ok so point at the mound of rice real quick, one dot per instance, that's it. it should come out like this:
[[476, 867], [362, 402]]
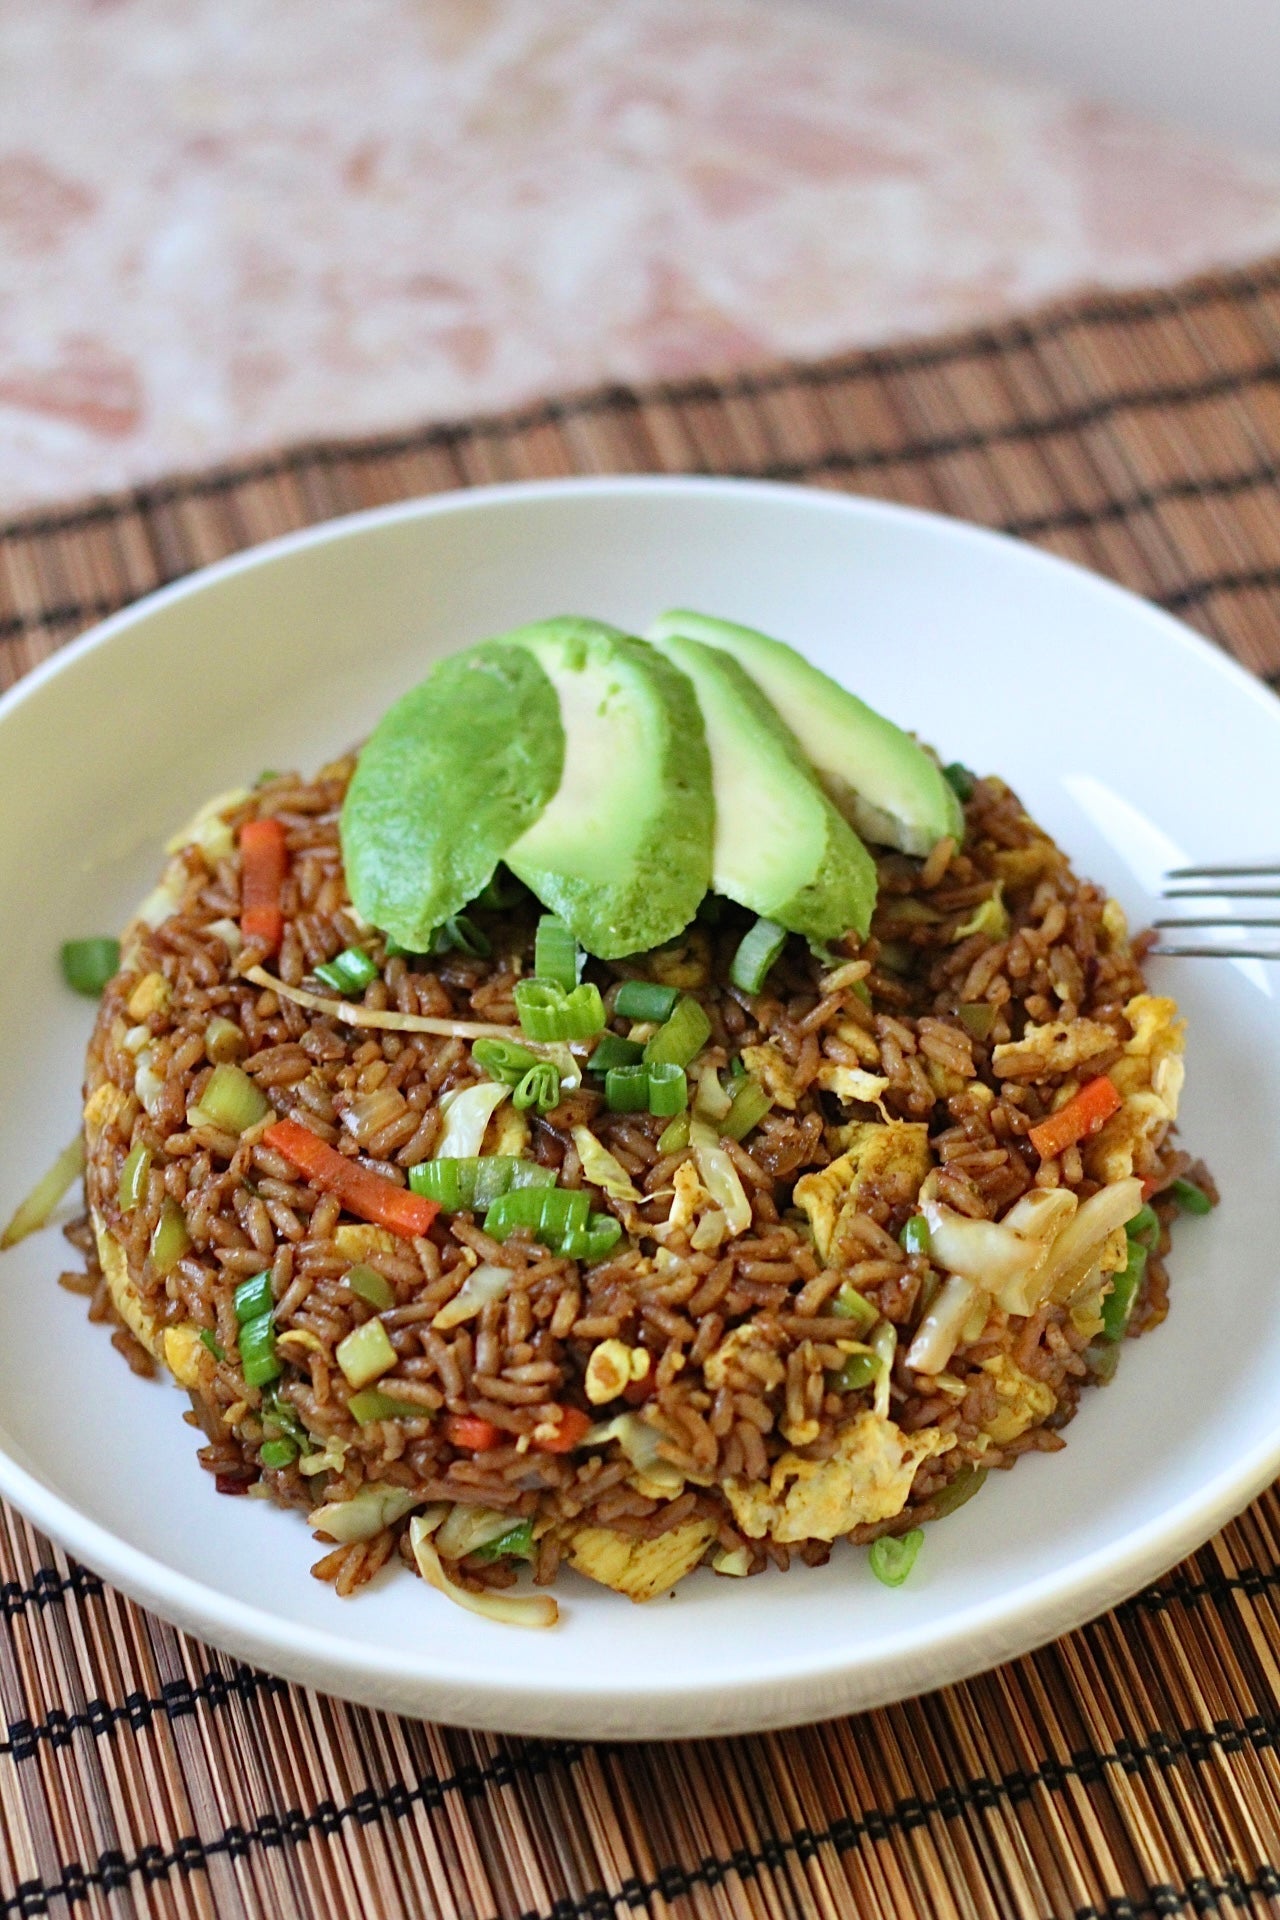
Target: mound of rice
[[709, 1392]]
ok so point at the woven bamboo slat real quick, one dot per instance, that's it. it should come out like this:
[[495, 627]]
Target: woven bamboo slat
[[1133, 1768]]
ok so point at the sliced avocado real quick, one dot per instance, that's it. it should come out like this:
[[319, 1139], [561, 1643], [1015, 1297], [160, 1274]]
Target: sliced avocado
[[878, 776], [623, 850], [780, 846], [455, 772]]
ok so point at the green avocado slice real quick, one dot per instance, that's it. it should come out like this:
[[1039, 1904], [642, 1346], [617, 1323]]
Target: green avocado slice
[[781, 848], [878, 776], [451, 775], [623, 850]]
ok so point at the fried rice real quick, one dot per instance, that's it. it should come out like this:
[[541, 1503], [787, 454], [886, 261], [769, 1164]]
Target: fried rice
[[688, 1398]]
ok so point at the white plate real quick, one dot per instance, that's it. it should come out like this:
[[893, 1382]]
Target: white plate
[[1132, 740]]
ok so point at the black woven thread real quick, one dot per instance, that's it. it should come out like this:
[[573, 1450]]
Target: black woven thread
[[47, 1587], [1164, 1750], [98, 1717]]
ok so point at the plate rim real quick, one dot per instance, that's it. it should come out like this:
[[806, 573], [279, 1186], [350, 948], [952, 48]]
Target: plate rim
[[906, 1661]]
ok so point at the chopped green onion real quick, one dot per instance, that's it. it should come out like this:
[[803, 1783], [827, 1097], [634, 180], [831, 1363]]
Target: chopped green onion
[[859, 1370], [626, 1089], [170, 1240], [852, 1305], [600, 1236], [515, 1544], [348, 973], [470, 1185], [258, 1361], [555, 953], [1117, 1307], [682, 1036], [254, 1297], [134, 1175], [645, 1000], [1145, 1228], [373, 1404], [977, 1017], [88, 965], [223, 1040], [668, 1089], [539, 1087], [371, 1286], [611, 1050], [365, 1354], [458, 934], [1190, 1197], [959, 1489], [231, 1101], [960, 780], [502, 891], [209, 1339], [560, 1217], [504, 1060], [277, 1453], [675, 1138], [756, 953], [892, 1560], [750, 1105], [547, 1012], [280, 1420], [914, 1237]]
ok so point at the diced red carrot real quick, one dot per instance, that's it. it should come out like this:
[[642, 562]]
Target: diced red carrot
[[370, 1195], [264, 861], [572, 1429], [470, 1431], [1082, 1115]]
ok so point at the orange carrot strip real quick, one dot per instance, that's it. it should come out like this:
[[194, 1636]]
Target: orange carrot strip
[[361, 1191], [470, 1431], [573, 1428], [264, 860], [1082, 1115]]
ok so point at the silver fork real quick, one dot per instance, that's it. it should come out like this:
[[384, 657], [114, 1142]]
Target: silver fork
[[1226, 922]]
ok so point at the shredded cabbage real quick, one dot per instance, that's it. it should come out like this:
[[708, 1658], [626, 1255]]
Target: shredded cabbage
[[208, 830], [34, 1212], [1008, 1257], [720, 1178], [467, 1112], [477, 1290], [376, 1505], [939, 1332], [601, 1168], [508, 1609], [642, 1445], [470, 1527]]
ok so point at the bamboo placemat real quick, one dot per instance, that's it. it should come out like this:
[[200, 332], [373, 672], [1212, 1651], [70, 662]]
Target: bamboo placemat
[[1131, 1769]]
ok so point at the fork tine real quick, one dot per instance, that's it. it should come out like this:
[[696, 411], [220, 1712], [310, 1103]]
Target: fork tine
[[1224, 893], [1214, 953], [1269, 869], [1216, 920]]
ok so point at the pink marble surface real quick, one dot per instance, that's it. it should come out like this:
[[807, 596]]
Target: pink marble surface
[[226, 224]]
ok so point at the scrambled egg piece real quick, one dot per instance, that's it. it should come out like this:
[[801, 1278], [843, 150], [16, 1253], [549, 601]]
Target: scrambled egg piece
[[1021, 866], [1057, 1047], [639, 1568], [186, 1356], [125, 1297], [774, 1074], [507, 1132], [695, 1209], [852, 1083], [868, 1477], [357, 1242], [744, 1358], [890, 1157], [1024, 1402], [1149, 1079]]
